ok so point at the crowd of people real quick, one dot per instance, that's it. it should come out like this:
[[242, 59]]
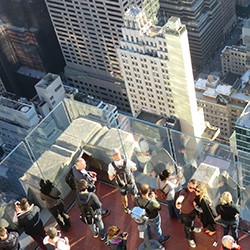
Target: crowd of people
[[185, 205]]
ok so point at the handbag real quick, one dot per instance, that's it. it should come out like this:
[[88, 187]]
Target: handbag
[[160, 194]]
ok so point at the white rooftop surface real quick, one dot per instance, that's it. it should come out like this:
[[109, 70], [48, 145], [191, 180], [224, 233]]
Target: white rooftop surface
[[210, 92], [201, 84], [240, 96], [224, 89]]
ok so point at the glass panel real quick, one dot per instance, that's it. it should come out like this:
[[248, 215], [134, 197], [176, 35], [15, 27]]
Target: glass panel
[[48, 130], [13, 173], [148, 147]]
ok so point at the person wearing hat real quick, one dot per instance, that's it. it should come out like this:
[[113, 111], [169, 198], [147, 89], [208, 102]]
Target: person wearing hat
[[8, 240], [53, 240], [120, 170]]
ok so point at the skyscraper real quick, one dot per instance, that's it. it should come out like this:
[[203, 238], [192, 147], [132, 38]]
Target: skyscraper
[[207, 21], [157, 69], [88, 32]]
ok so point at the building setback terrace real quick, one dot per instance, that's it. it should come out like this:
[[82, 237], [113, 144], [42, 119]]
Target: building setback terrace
[[75, 129]]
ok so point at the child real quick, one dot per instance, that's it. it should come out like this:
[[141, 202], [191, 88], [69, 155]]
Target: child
[[115, 239]]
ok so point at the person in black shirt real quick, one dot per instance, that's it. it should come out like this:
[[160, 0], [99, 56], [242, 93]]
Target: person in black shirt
[[229, 214], [80, 172], [8, 240], [86, 198], [28, 219]]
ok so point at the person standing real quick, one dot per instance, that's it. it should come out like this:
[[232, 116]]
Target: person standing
[[166, 184], [52, 197], [8, 240], [186, 203], [120, 170], [89, 200], [152, 207], [81, 173], [28, 219], [229, 214], [53, 240], [206, 215]]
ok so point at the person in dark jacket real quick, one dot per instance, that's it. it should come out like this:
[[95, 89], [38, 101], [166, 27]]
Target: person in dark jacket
[[52, 197], [206, 214], [80, 172], [84, 197], [28, 219], [229, 214], [8, 240]]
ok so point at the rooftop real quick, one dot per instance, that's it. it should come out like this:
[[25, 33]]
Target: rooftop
[[72, 130]]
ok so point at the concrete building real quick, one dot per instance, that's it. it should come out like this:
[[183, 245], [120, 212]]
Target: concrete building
[[157, 69], [234, 59], [50, 91], [17, 118], [88, 33], [223, 101], [207, 23]]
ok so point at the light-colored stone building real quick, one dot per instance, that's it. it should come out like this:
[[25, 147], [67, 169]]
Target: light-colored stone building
[[88, 32], [207, 23], [156, 64], [234, 59]]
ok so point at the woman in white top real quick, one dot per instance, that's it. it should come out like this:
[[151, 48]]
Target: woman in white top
[[167, 184], [53, 240]]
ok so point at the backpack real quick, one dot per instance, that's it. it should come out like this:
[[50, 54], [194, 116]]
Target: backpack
[[70, 179], [123, 175], [87, 215]]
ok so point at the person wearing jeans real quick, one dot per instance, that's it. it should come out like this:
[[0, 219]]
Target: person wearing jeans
[[84, 198], [229, 215], [185, 202], [148, 202]]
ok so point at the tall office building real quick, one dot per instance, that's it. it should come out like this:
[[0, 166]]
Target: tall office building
[[206, 21], [88, 32], [242, 129], [157, 69]]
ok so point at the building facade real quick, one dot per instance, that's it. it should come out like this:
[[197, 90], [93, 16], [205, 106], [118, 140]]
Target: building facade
[[234, 59], [88, 32], [242, 141], [157, 69], [222, 102], [17, 118], [207, 22]]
